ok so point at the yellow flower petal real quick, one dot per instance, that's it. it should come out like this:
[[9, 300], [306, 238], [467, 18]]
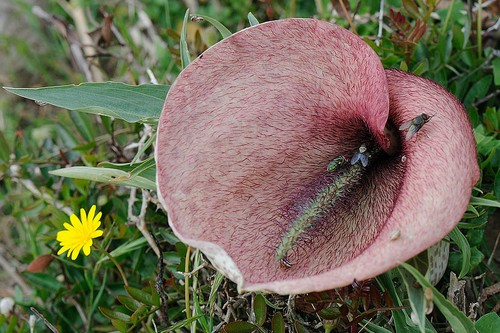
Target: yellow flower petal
[[90, 217], [79, 234]]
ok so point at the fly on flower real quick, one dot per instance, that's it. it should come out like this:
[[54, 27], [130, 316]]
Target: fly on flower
[[361, 156], [79, 234], [414, 125]]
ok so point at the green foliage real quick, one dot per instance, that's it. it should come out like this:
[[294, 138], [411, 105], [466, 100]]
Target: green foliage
[[137, 278], [141, 103]]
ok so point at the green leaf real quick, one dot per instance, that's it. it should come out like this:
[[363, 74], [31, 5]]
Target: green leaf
[[128, 247], [492, 118], [252, 20], [496, 185], [299, 328], [277, 323], [219, 278], [239, 327], [421, 67], [5, 151], [260, 309], [496, 71], [477, 91], [121, 326], [129, 302], [484, 202], [459, 239], [83, 125], [111, 314], [219, 26], [457, 319], [185, 58], [138, 314], [43, 281], [182, 323], [489, 323], [140, 295], [476, 257], [141, 103], [146, 168], [106, 175], [417, 299], [371, 327], [400, 316]]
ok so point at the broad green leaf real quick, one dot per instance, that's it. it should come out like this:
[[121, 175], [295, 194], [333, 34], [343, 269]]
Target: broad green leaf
[[219, 26], [277, 323], [299, 328], [106, 175], [239, 327], [478, 90], [121, 326], [489, 323], [457, 319], [129, 302], [252, 20], [259, 308], [141, 103], [140, 295], [459, 239], [138, 314], [111, 314]]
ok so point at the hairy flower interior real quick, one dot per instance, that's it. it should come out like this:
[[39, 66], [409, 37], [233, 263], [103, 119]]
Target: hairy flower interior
[[343, 211], [342, 176]]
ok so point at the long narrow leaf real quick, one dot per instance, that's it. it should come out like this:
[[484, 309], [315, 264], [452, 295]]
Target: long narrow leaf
[[106, 175], [457, 319], [459, 239], [185, 58], [141, 103], [252, 20], [219, 26]]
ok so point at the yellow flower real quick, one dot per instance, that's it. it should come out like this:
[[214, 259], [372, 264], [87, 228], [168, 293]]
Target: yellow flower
[[79, 233]]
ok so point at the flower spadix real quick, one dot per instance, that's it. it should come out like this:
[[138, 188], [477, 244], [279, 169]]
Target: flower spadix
[[79, 234], [279, 156]]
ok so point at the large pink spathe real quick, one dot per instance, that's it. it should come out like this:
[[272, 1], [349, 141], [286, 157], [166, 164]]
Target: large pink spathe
[[249, 127]]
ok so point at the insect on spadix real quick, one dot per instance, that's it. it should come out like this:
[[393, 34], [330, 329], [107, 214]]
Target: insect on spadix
[[361, 156], [414, 125]]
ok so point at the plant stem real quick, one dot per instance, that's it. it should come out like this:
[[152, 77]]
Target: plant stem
[[186, 283], [478, 33], [113, 260]]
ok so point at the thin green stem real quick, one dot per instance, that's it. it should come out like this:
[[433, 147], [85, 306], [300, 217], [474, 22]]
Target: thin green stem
[[479, 29], [186, 283], [447, 19], [113, 260]]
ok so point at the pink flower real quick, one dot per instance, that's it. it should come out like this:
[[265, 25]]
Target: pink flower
[[249, 129]]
